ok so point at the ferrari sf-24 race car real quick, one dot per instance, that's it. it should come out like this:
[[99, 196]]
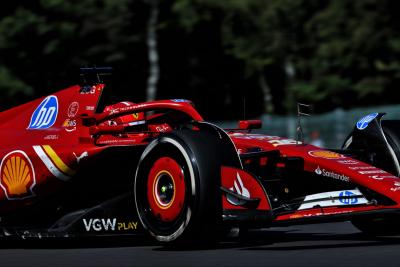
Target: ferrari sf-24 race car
[[73, 165]]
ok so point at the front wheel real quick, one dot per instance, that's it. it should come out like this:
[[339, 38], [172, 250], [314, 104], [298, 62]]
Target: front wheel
[[177, 188]]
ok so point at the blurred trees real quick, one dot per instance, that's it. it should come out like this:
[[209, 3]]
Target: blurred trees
[[217, 53], [329, 53], [354, 55], [44, 42]]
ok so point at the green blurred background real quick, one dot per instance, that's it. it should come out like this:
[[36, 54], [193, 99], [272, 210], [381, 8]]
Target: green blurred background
[[269, 54]]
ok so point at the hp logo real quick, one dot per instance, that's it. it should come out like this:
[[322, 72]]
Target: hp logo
[[363, 123], [45, 114], [348, 198]]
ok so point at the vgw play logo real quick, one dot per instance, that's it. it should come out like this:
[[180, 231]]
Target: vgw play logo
[[45, 115]]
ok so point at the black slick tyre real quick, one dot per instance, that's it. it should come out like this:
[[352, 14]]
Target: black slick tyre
[[176, 188]]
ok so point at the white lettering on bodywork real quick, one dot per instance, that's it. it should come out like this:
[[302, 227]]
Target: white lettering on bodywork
[[100, 224]]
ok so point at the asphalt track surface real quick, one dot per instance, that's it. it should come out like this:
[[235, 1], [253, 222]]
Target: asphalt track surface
[[333, 244]]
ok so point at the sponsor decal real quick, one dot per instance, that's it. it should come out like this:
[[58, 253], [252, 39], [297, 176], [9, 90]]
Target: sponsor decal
[[89, 108], [117, 141], [70, 130], [128, 108], [348, 198], [108, 224], [112, 111], [69, 125], [396, 187], [100, 224], [312, 214], [377, 171], [337, 212], [53, 162], [163, 128], [280, 142], [82, 156], [381, 177], [51, 137], [333, 198], [240, 189], [112, 122], [17, 176], [363, 122], [135, 107], [45, 115], [179, 100], [318, 171], [126, 226], [85, 90], [331, 174], [362, 168], [136, 123], [255, 136], [319, 214], [274, 140], [73, 109], [348, 162], [326, 154]]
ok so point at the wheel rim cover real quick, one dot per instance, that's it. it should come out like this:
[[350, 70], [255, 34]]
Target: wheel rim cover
[[166, 189]]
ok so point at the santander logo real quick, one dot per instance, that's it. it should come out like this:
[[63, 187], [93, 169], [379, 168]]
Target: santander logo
[[332, 174], [318, 171], [240, 189]]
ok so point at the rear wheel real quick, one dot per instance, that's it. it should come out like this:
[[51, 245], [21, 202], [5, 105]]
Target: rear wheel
[[177, 188]]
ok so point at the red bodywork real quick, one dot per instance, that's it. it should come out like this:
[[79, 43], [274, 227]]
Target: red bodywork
[[39, 156], [53, 154], [347, 169]]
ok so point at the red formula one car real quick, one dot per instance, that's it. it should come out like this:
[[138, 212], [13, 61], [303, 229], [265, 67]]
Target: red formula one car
[[73, 165]]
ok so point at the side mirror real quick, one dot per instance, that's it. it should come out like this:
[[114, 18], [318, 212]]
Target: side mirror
[[250, 124]]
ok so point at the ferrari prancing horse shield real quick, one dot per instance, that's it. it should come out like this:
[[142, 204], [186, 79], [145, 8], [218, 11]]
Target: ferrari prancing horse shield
[[17, 176]]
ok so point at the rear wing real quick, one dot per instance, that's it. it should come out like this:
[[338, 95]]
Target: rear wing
[[95, 75]]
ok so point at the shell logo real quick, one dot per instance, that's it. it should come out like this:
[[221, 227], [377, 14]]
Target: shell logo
[[17, 176], [325, 154]]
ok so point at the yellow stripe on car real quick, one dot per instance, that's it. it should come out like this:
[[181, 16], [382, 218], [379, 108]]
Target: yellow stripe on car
[[58, 161]]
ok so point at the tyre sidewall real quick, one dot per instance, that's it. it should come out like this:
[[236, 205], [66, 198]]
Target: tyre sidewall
[[202, 212]]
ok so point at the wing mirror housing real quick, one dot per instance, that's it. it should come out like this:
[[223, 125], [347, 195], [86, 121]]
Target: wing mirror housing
[[250, 124]]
